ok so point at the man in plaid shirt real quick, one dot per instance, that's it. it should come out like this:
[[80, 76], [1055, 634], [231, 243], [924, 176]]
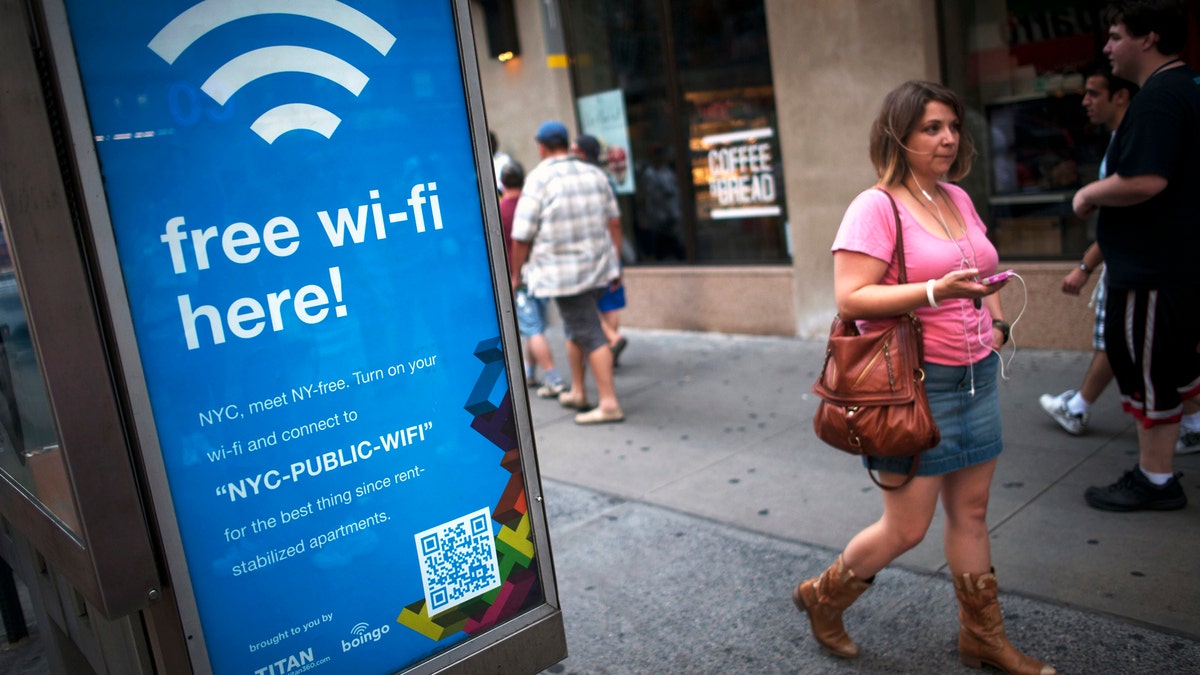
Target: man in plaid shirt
[[566, 238]]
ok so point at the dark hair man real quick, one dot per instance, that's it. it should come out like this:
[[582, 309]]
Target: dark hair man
[[1106, 97]]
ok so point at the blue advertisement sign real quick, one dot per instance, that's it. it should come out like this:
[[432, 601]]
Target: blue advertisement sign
[[293, 193]]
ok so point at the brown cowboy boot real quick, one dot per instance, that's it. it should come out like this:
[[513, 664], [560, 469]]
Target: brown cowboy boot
[[824, 598], [981, 639]]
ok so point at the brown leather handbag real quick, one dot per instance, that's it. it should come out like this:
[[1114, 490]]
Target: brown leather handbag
[[872, 387]]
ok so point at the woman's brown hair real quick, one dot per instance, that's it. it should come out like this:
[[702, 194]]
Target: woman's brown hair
[[903, 108]]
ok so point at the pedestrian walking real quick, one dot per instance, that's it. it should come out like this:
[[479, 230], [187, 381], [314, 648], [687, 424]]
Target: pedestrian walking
[[612, 302], [566, 246], [1149, 232], [916, 142], [531, 311], [1106, 97]]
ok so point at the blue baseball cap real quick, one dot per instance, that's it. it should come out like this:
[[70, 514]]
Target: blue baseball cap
[[552, 132]]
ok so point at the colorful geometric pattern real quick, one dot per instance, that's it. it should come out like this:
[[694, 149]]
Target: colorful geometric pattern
[[508, 602], [491, 404], [491, 386], [416, 617]]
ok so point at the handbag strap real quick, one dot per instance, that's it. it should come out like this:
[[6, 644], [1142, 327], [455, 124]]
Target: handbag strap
[[902, 275], [902, 278], [903, 271], [912, 473]]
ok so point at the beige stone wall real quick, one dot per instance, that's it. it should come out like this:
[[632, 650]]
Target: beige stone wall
[[751, 300], [1051, 319], [833, 61], [521, 94]]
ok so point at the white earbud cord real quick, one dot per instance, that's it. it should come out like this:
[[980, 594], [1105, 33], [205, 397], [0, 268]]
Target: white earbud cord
[[971, 262], [1004, 366], [1012, 335]]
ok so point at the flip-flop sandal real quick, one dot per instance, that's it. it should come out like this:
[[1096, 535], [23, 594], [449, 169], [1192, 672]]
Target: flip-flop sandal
[[567, 401], [617, 349], [599, 416]]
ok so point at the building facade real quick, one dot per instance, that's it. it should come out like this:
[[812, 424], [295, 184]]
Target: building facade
[[736, 134]]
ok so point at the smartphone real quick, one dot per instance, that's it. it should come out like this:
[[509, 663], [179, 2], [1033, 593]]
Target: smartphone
[[996, 278]]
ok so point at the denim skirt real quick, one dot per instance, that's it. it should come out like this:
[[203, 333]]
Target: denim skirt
[[970, 425]]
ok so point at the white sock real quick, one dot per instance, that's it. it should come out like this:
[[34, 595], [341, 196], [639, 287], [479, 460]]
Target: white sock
[[1078, 406], [1159, 479], [1191, 422]]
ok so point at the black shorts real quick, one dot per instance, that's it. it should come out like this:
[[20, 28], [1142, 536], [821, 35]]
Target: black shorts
[[1151, 337]]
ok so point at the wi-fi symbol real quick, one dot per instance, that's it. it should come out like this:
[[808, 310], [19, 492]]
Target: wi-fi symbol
[[360, 628], [206, 16]]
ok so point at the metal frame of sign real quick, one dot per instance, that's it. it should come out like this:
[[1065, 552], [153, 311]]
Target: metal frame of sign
[[531, 640], [108, 554]]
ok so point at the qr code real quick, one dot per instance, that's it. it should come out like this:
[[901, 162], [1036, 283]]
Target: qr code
[[458, 560]]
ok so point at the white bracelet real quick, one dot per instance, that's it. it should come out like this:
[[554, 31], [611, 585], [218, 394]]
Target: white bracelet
[[929, 293]]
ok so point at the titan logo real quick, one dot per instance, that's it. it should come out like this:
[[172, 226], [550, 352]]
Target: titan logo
[[286, 665]]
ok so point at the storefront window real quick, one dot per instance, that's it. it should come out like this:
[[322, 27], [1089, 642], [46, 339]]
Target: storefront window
[[679, 93], [1020, 67]]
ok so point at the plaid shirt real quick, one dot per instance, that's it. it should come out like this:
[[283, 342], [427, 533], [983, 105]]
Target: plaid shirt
[[564, 211]]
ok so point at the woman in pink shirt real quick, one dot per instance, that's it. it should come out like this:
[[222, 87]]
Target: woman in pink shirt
[[916, 143]]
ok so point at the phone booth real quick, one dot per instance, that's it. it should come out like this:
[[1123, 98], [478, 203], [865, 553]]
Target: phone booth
[[256, 339]]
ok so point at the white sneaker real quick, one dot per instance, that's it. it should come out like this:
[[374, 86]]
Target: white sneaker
[[1188, 443], [1056, 408]]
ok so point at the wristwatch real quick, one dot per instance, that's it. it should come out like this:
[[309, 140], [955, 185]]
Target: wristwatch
[[1083, 266], [1004, 328]]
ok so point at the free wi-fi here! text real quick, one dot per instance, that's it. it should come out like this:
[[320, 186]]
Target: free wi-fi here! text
[[242, 244]]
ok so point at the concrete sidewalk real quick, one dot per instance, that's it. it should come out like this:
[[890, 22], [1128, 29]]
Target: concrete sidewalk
[[678, 534]]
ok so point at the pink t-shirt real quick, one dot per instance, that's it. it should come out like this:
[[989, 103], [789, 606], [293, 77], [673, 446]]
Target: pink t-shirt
[[955, 333]]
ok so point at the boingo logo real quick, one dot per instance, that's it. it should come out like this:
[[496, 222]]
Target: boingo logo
[[364, 634]]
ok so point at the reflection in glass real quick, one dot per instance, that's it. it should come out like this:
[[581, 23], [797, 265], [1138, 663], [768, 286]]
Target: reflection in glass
[[694, 77], [30, 455], [659, 234], [1020, 69]]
